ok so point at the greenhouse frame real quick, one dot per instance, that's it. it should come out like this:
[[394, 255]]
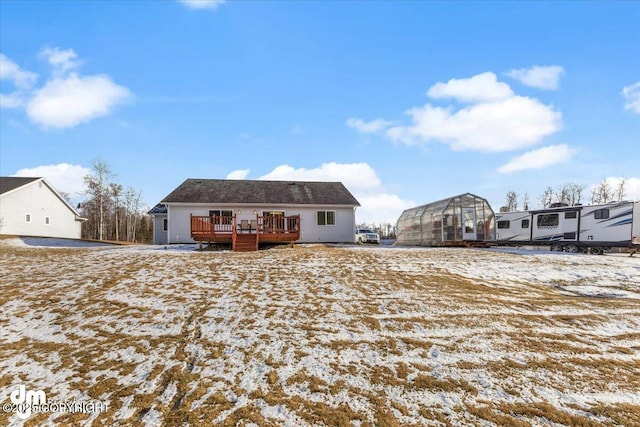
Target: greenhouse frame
[[452, 221]]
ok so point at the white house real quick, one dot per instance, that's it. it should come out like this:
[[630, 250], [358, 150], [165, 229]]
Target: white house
[[315, 211], [33, 207]]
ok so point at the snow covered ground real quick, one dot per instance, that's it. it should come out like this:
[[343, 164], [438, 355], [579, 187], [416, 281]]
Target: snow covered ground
[[313, 335]]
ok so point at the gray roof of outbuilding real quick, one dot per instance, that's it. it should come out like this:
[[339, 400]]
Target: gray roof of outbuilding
[[224, 191], [8, 183], [158, 209]]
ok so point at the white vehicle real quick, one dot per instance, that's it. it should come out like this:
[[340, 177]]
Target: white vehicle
[[573, 228], [364, 235]]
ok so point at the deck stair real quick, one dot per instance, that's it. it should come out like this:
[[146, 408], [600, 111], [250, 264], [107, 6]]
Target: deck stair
[[246, 242]]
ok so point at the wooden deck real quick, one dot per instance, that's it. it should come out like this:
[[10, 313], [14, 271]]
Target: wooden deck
[[244, 234]]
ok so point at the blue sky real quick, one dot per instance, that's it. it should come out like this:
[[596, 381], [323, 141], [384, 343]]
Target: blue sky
[[405, 102]]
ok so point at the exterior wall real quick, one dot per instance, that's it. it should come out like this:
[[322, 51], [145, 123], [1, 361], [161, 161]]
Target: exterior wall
[[180, 226], [513, 230], [636, 222], [616, 230], [159, 234], [37, 199]]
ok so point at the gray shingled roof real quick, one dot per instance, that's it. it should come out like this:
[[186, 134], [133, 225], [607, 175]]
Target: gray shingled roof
[[261, 192], [158, 209], [8, 183]]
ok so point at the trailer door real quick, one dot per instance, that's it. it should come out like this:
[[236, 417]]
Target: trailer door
[[546, 227], [569, 224], [469, 231]]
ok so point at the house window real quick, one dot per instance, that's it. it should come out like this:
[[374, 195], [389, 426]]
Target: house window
[[571, 215], [47, 220], [504, 224], [218, 212], [222, 216], [165, 224], [601, 214], [27, 217], [273, 220], [326, 217], [525, 223], [548, 220]]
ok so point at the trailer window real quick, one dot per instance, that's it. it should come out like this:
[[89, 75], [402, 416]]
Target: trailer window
[[571, 215], [504, 224], [548, 220], [525, 223], [601, 214]]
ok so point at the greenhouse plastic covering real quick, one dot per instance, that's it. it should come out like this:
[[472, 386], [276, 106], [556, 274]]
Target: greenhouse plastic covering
[[466, 217]]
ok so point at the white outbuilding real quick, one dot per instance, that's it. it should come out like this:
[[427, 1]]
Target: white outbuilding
[[33, 207]]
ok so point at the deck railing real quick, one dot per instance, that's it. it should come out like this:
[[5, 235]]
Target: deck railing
[[279, 224], [272, 228], [212, 225]]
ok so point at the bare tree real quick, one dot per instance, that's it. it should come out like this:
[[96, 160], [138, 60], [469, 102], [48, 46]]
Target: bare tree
[[115, 191], [547, 197], [129, 200], [575, 193], [525, 201], [602, 193], [65, 196], [97, 188], [620, 190], [512, 201]]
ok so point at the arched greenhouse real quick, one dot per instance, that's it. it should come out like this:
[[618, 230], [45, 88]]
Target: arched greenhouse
[[451, 221]]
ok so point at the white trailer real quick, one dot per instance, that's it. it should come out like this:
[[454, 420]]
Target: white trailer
[[593, 228]]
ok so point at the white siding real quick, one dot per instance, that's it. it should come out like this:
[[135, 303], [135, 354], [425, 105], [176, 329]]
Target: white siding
[[636, 220], [159, 233], [37, 199], [180, 226]]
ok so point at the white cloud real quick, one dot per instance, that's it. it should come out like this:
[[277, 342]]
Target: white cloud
[[380, 207], [496, 121], [361, 180], [538, 159], [23, 80], [353, 175], [541, 77], [11, 71], [67, 102], [12, 100], [632, 95], [202, 4], [483, 87], [505, 125], [367, 127], [64, 177], [239, 174], [61, 60]]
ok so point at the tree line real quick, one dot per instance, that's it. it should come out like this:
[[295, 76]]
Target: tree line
[[570, 194], [112, 211]]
